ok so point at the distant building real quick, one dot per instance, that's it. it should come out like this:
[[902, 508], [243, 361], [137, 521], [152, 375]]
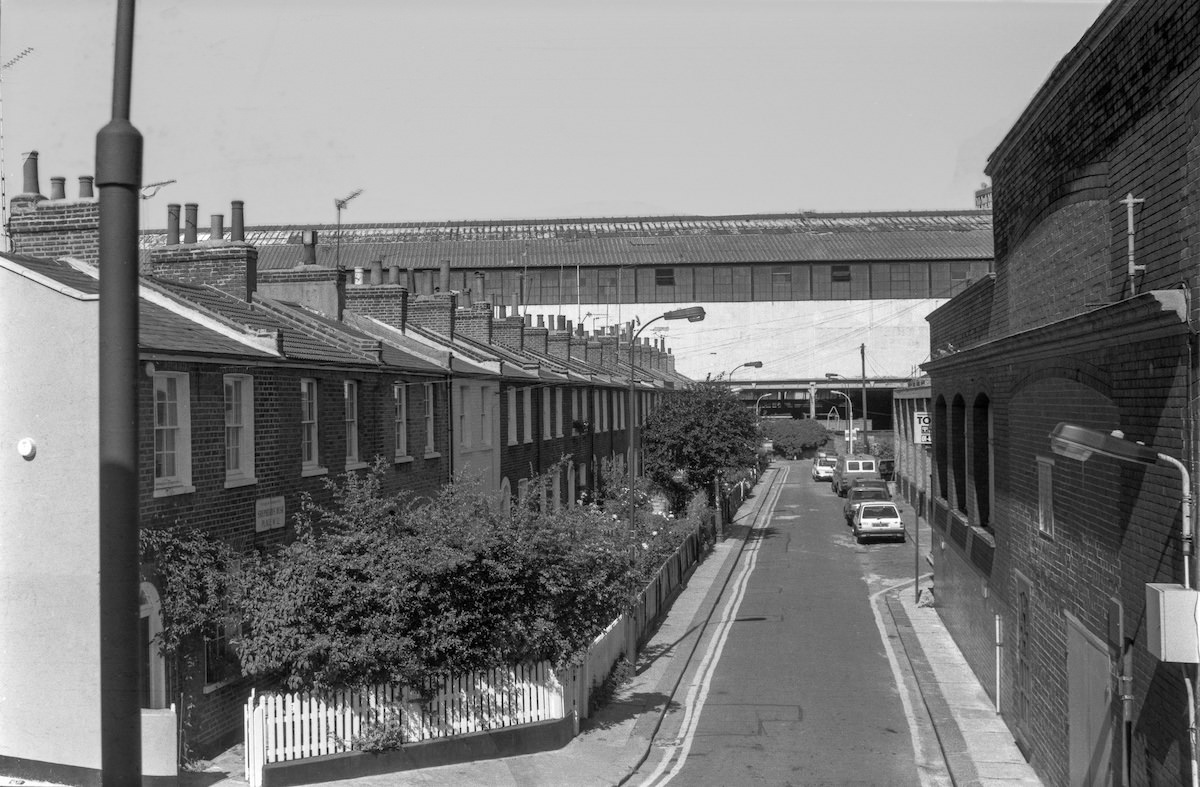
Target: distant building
[[1065, 578], [799, 292]]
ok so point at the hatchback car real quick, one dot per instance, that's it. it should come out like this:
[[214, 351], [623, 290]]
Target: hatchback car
[[878, 520], [822, 469], [864, 492]]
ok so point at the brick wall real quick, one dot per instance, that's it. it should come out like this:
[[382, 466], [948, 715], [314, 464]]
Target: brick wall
[[39, 227], [387, 303], [231, 267]]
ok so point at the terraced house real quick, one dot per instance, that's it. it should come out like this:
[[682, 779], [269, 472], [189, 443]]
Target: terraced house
[[256, 390]]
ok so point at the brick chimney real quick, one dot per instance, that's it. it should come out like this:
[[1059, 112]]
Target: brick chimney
[[578, 344], [558, 340], [537, 338], [54, 228], [434, 312], [592, 350], [508, 331], [229, 265], [386, 302], [321, 289], [475, 321], [608, 348]]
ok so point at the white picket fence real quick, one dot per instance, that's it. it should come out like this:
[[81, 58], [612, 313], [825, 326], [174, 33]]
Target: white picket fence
[[282, 727]]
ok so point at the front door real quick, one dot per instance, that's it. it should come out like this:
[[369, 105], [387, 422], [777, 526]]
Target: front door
[[1089, 703]]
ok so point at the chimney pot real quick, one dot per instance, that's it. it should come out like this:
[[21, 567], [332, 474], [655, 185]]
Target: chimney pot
[[376, 272], [85, 187], [237, 228], [217, 230], [58, 187], [309, 240], [541, 323], [190, 210], [444, 282], [173, 224], [30, 170], [393, 274]]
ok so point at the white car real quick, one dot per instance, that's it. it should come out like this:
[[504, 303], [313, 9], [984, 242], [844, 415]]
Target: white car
[[878, 520], [822, 469]]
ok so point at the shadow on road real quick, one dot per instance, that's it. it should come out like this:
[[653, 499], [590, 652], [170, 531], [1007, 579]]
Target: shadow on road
[[623, 708]]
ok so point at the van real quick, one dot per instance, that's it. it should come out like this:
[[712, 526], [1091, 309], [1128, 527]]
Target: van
[[850, 467]]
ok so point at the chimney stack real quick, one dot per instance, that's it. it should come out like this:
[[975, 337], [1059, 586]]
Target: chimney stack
[[190, 209], [309, 254], [237, 221], [173, 224], [30, 170]]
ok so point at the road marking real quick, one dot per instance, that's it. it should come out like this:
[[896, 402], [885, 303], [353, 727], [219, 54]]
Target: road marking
[[675, 753], [927, 779]]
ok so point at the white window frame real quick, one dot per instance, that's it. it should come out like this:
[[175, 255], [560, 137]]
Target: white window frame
[[599, 425], [547, 430], [242, 429], [464, 426], [558, 411], [1045, 499], [400, 421], [430, 445], [173, 422], [310, 431], [512, 416], [485, 416], [350, 418], [527, 409]]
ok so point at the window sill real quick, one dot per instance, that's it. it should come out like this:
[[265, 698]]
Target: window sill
[[233, 482], [357, 465], [432, 455], [171, 491], [312, 470], [403, 459]]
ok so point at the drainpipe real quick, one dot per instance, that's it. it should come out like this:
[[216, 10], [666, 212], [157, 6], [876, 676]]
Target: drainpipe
[[119, 177]]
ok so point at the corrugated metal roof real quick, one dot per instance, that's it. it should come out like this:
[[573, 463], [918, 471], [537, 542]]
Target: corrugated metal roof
[[679, 240]]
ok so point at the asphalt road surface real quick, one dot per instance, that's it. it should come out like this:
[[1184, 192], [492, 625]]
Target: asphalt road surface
[[795, 685]]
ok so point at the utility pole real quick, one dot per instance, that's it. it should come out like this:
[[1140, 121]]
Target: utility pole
[[862, 350]]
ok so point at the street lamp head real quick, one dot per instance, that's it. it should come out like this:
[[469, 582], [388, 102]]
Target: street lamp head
[[832, 376], [691, 314], [1079, 442], [753, 364]]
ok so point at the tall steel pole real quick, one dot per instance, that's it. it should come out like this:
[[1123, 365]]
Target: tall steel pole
[[862, 349], [119, 177]]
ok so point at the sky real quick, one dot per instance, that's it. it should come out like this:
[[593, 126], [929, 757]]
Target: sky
[[449, 110]]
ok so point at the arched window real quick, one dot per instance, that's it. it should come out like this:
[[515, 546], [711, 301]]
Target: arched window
[[981, 458], [940, 454], [958, 451]]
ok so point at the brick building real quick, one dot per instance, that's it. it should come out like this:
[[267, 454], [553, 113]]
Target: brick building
[[1043, 561], [258, 388]]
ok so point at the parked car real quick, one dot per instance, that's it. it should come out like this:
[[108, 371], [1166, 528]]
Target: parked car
[[850, 467], [822, 468], [861, 491], [878, 520]]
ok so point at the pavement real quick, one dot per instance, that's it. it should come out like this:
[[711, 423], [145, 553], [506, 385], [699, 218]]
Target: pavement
[[965, 742]]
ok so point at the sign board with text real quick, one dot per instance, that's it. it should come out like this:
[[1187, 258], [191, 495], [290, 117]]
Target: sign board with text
[[269, 513], [922, 429]]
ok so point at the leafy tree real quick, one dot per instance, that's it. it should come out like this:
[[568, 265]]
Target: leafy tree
[[695, 434], [376, 588], [793, 437]]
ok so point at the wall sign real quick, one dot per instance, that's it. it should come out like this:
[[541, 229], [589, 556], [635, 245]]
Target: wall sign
[[269, 513], [922, 429]]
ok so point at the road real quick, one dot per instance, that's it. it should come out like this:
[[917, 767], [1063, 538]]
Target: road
[[796, 685]]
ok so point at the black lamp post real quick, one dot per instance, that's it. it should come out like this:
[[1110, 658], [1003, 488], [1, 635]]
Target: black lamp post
[[691, 314], [751, 364]]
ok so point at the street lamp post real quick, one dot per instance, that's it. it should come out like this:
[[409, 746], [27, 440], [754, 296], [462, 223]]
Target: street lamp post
[[751, 364], [756, 401], [849, 420], [691, 314]]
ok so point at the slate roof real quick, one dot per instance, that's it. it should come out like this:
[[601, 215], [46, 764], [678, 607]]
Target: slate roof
[[669, 240], [58, 271]]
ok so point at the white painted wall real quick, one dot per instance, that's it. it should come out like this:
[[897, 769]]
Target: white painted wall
[[49, 519]]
